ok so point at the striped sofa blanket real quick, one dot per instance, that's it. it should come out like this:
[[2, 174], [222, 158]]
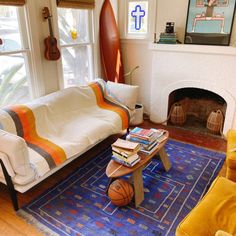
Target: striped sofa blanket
[[39, 136]]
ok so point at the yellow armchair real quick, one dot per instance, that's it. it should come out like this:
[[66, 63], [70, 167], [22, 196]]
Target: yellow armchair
[[216, 212], [231, 155]]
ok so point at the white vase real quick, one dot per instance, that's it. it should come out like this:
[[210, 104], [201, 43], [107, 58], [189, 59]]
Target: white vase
[[138, 116]]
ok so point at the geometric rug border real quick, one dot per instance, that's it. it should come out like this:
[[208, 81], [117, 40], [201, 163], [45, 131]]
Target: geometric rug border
[[47, 231]]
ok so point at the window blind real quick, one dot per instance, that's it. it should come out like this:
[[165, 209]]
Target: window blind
[[12, 2], [85, 4]]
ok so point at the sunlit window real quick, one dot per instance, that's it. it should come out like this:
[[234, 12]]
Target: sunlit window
[[75, 31], [14, 51]]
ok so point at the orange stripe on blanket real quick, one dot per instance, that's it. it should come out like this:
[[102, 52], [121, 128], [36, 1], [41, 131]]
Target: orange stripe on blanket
[[30, 135], [108, 105]]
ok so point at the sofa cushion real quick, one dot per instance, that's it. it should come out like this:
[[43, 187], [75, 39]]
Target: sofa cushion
[[125, 94], [216, 211]]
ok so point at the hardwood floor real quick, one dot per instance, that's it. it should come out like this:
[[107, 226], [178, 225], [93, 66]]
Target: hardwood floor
[[12, 225]]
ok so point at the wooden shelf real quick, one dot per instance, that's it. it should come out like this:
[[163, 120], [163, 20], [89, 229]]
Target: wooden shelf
[[190, 48]]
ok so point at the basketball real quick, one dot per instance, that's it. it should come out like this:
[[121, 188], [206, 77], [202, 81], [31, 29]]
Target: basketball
[[120, 192]]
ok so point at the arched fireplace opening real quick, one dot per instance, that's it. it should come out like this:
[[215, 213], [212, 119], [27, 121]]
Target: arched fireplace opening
[[197, 109]]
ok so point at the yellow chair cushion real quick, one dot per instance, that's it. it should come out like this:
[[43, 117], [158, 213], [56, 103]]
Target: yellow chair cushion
[[216, 211], [231, 149]]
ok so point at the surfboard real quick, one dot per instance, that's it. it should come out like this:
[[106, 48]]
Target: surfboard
[[110, 50]]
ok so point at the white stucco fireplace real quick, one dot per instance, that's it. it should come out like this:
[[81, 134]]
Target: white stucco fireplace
[[211, 68]]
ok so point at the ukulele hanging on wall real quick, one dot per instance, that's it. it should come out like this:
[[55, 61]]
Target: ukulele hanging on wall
[[51, 50]]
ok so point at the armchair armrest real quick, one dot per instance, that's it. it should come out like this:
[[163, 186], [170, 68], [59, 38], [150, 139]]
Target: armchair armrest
[[231, 155]]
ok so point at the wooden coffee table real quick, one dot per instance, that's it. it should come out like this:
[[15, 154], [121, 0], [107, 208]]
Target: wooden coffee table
[[115, 170]]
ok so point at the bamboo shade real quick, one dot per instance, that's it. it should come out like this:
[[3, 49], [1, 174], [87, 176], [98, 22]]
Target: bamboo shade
[[12, 2], [85, 4]]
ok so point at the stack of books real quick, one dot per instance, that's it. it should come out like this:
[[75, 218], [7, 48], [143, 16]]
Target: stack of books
[[147, 138], [168, 38], [125, 152]]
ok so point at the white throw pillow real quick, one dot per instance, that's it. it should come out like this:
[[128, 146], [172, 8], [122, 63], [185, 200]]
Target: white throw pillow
[[124, 93]]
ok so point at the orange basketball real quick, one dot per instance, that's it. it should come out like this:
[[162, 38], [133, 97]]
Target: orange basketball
[[120, 192]]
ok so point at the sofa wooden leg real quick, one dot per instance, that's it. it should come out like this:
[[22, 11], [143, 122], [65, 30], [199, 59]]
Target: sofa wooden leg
[[10, 187]]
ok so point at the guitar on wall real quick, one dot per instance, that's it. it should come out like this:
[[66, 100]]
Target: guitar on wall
[[51, 50]]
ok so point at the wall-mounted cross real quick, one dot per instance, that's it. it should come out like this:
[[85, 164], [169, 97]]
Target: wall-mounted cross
[[138, 13]]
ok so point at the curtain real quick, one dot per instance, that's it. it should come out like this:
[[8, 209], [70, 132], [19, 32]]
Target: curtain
[[12, 2], [85, 4]]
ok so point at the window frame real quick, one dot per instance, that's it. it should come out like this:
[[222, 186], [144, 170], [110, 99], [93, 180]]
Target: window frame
[[90, 46], [123, 20], [26, 50]]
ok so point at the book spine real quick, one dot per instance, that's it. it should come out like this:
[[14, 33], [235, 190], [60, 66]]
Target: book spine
[[141, 132], [124, 162], [138, 140], [167, 42], [123, 154], [119, 156], [140, 137], [120, 161]]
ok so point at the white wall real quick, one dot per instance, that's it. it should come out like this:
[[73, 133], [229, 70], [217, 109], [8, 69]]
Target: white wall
[[136, 52]]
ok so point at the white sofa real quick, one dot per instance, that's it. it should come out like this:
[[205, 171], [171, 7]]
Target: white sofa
[[41, 137]]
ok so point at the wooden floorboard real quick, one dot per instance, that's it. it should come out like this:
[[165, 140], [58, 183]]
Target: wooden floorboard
[[13, 225]]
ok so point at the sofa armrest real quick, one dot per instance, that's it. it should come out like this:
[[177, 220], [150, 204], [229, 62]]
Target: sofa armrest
[[16, 151], [7, 164]]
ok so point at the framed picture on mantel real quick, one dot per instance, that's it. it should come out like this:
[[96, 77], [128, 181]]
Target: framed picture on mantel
[[209, 22]]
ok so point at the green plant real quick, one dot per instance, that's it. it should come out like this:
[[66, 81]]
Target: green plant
[[12, 85]]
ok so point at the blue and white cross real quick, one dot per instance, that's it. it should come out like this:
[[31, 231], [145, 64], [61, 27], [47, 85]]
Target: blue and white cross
[[138, 13]]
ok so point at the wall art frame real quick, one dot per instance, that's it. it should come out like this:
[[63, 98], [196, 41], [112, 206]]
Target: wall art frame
[[209, 22]]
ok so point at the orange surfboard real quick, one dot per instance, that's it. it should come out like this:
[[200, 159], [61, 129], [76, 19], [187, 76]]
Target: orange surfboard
[[110, 45]]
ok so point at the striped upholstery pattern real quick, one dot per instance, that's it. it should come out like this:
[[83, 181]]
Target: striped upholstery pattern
[[104, 103], [24, 120], [60, 126]]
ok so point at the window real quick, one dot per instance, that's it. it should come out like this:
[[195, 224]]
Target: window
[[138, 17], [14, 53], [76, 41]]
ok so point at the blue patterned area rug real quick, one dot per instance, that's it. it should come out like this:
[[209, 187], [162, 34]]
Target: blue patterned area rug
[[79, 206]]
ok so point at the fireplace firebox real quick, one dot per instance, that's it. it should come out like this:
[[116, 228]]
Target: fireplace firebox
[[196, 107]]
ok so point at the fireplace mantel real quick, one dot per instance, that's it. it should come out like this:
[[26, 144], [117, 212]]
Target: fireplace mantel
[[205, 67], [191, 48]]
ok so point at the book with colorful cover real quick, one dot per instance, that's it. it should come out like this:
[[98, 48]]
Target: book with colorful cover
[[122, 162], [154, 147], [128, 160], [137, 140], [160, 134], [124, 152], [125, 144], [149, 152], [145, 140], [140, 132]]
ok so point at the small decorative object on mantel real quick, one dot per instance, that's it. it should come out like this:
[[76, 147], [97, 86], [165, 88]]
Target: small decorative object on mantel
[[169, 36], [209, 22]]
